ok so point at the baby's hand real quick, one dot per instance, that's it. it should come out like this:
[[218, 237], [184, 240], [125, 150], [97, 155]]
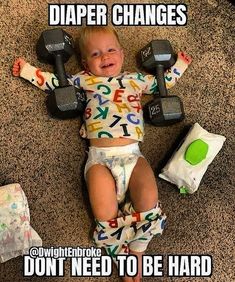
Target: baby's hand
[[187, 59], [17, 66]]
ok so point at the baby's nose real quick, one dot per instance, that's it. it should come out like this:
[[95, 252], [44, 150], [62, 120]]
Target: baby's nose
[[105, 55]]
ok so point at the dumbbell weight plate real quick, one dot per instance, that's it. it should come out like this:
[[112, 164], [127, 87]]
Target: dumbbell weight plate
[[164, 111]]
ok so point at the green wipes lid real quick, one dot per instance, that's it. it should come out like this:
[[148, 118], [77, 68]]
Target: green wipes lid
[[183, 190], [196, 152]]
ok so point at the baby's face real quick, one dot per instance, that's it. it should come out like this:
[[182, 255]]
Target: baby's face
[[104, 56]]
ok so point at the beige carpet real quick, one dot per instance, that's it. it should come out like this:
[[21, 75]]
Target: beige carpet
[[46, 156]]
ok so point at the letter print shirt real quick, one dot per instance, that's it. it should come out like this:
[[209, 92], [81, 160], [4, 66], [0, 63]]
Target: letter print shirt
[[113, 108]]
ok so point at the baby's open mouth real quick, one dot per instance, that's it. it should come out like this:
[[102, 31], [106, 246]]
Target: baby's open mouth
[[107, 65]]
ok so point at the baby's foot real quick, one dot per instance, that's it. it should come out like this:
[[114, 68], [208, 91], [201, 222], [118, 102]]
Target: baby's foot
[[139, 255]]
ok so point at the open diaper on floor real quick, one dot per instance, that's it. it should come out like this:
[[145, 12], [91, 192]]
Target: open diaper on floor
[[16, 234], [190, 161]]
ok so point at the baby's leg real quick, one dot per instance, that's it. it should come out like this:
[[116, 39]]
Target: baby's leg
[[143, 187], [102, 192], [144, 197]]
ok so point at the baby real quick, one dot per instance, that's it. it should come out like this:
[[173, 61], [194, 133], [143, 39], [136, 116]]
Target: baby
[[121, 184]]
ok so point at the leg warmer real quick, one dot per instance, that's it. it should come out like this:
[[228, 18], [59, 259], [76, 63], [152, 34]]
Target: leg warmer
[[133, 230]]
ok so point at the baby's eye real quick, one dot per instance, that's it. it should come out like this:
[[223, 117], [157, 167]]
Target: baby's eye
[[111, 50], [95, 54]]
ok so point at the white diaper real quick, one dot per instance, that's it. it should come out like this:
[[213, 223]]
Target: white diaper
[[16, 234], [119, 160], [189, 162]]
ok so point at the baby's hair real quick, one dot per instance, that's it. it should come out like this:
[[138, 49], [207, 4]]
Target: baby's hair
[[87, 31]]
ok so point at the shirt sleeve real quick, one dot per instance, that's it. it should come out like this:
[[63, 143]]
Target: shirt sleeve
[[44, 80], [171, 75]]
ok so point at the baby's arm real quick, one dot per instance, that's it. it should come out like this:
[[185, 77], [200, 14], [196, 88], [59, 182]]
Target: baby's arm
[[171, 75], [177, 70], [44, 80]]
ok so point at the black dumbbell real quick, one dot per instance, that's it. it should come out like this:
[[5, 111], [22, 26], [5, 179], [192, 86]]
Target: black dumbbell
[[55, 46], [157, 57]]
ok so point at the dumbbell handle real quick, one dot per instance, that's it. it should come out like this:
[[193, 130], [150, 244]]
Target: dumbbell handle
[[60, 70], [161, 80]]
